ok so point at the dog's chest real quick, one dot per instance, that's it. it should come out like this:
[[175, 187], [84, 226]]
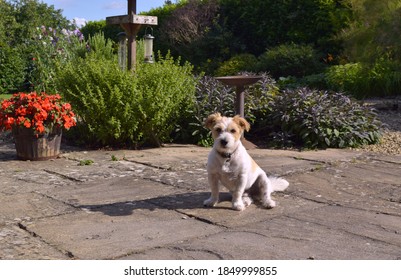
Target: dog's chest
[[229, 173]]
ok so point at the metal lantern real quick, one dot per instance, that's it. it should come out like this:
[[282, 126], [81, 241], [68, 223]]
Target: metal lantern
[[122, 50], [148, 42]]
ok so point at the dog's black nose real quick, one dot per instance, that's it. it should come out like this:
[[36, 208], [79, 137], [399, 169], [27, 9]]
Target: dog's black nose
[[223, 142]]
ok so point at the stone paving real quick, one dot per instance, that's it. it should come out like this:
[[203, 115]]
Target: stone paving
[[147, 204]]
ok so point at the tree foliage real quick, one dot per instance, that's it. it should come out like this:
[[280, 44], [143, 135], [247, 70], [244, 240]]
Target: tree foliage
[[375, 31], [209, 32], [19, 24], [26, 15]]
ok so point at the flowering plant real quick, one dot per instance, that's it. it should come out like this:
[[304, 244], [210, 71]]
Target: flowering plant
[[40, 112]]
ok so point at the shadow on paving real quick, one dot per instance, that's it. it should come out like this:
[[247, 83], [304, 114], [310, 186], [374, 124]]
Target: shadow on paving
[[180, 201]]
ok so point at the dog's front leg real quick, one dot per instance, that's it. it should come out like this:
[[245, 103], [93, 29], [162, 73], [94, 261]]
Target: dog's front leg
[[214, 186], [237, 201]]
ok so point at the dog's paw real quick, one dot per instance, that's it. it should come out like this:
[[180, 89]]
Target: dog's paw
[[269, 204], [210, 202], [239, 206], [247, 200]]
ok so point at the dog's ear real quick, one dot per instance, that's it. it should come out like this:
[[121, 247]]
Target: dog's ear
[[212, 119], [242, 123]]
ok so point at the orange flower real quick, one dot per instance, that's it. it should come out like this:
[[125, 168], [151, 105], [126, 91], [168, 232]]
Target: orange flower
[[37, 111], [27, 124]]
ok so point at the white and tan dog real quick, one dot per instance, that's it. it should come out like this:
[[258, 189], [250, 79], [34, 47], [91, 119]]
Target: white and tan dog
[[230, 164]]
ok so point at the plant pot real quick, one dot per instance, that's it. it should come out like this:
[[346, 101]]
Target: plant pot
[[32, 147]]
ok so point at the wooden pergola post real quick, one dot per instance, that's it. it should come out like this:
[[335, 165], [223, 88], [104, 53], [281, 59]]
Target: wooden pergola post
[[131, 23]]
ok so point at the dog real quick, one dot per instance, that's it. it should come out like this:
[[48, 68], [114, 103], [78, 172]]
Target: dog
[[230, 164]]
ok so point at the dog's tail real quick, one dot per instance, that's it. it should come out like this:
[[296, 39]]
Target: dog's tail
[[278, 184]]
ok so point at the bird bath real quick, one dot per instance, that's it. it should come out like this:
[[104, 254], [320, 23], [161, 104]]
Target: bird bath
[[239, 82]]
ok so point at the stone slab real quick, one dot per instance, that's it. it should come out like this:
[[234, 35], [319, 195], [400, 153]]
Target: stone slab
[[351, 185], [369, 224], [28, 206], [282, 238], [148, 204], [109, 234], [17, 244], [191, 204], [188, 179], [109, 191]]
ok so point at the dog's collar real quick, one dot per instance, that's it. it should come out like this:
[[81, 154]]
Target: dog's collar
[[225, 155]]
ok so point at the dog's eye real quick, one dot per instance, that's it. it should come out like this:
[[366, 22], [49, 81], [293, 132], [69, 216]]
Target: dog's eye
[[218, 130], [233, 131]]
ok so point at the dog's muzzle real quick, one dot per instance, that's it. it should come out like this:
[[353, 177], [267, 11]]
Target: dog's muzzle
[[223, 143]]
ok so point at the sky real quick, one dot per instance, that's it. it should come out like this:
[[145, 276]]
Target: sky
[[93, 10]]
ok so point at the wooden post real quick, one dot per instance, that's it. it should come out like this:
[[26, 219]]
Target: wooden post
[[131, 36], [131, 23]]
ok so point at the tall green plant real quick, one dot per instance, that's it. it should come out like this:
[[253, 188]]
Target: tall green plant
[[105, 100], [167, 90], [125, 108], [48, 49], [12, 68], [382, 78]]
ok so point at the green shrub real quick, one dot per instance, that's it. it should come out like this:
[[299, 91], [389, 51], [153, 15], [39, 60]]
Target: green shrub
[[167, 94], [383, 78], [48, 49], [351, 78], [290, 60], [12, 69], [236, 64], [122, 108], [318, 119], [105, 100]]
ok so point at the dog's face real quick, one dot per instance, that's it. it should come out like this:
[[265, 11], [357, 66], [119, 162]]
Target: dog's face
[[226, 132]]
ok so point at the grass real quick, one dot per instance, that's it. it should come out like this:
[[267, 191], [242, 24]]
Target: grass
[[5, 96]]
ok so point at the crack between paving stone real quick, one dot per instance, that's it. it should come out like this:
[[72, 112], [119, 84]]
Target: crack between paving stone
[[270, 236], [342, 230], [149, 165], [386, 161], [327, 202], [58, 200], [63, 176], [332, 203], [176, 248], [173, 246], [203, 220], [164, 183], [68, 254]]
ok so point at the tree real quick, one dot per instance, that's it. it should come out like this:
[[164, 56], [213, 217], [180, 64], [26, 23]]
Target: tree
[[19, 24], [261, 24], [187, 28], [94, 27], [375, 31], [31, 14]]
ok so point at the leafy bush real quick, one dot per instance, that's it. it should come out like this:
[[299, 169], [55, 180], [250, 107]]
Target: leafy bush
[[318, 119], [383, 78], [48, 49], [121, 108], [167, 94], [238, 63], [12, 69], [105, 100], [290, 60], [349, 77]]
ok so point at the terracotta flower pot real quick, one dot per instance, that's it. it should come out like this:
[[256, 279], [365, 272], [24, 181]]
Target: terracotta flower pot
[[32, 147]]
